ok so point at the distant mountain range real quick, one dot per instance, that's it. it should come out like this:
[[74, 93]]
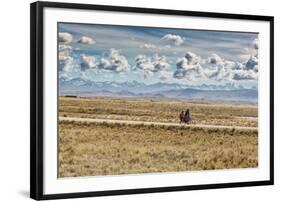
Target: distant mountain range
[[87, 88]]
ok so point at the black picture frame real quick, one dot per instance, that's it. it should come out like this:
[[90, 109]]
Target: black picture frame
[[36, 98]]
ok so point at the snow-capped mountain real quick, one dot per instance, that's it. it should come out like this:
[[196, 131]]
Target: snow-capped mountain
[[79, 82], [83, 87]]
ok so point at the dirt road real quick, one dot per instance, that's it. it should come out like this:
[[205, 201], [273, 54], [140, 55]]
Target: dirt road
[[90, 120]]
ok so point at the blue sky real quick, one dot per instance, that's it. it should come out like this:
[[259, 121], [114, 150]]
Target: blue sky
[[150, 55]]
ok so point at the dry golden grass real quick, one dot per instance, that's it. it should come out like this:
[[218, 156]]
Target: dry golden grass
[[159, 111], [90, 149]]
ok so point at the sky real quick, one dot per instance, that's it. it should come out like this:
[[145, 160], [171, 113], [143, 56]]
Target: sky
[[150, 55]]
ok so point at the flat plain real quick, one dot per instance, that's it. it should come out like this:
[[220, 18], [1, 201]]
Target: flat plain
[[112, 148]]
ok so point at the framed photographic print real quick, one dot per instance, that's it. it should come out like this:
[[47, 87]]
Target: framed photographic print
[[136, 100]]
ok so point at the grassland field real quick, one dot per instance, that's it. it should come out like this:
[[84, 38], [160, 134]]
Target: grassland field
[[159, 111], [90, 149]]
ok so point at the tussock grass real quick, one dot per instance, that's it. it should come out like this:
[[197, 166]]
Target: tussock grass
[[159, 111], [89, 149]]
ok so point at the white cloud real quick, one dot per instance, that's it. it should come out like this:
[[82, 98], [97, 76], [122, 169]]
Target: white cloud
[[220, 73], [65, 37], [67, 64], [244, 75], [114, 61], [229, 70], [192, 58], [176, 39], [251, 51], [220, 69], [164, 49], [143, 63], [64, 47], [215, 68], [214, 59], [148, 46], [252, 63], [86, 40], [87, 62], [165, 75], [189, 67], [186, 71], [151, 64], [65, 59], [64, 52]]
